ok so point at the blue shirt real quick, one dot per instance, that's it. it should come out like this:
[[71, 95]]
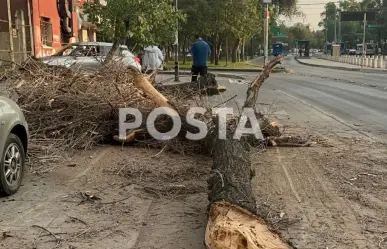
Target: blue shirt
[[200, 51]]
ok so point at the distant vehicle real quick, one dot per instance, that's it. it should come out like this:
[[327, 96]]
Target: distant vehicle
[[90, 56], [352, 52], [13, 146], [370, 49], [342, 48], [328, 49], [280, 48]]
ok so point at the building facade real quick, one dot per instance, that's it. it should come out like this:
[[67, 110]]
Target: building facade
[[42, 27]]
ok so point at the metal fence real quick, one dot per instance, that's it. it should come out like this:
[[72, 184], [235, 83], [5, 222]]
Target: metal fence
[[16, 35]]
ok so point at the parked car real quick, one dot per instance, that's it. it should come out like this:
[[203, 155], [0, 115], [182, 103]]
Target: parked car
[[89, 56], [13, 146], [352, 52]]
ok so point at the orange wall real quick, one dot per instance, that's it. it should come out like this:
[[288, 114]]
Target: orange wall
[[48, 8]]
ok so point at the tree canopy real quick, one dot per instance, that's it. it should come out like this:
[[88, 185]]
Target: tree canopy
[[219, 21], [352, 31]]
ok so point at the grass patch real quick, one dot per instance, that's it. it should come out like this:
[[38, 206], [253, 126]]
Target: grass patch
[[222, 65]]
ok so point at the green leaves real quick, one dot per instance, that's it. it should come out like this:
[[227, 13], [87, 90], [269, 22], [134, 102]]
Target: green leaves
[[143, 21]]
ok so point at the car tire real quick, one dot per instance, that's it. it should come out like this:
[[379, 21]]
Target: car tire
[[15, 167]]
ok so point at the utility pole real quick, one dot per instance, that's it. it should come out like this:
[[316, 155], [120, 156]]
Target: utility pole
[[326, 27], [176, 45], [364, 34], [30, 28], [266, 31], [11, 51], [335, 37], [340, 39]]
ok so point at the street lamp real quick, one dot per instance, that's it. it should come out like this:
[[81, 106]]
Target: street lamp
[[176, 45], [266, 30]]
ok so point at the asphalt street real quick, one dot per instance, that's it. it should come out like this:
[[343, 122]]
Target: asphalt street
[[356, 99]]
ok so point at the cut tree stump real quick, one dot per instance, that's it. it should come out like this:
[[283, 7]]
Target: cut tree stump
[[232, 227], [232, 221]]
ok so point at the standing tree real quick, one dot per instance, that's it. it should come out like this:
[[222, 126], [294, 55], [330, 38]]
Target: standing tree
[[145, 22]]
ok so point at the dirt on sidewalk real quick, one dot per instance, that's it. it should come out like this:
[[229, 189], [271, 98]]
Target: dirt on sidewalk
[[111, 198]]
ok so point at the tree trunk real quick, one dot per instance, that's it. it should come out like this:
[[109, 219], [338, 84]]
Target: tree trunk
[[217, 54], [232, 221], [235, 51], [213, 54], [110, 55], [184, 51], [227, 51], [167, 54], [243, 50], [232, 175], [239, 53]]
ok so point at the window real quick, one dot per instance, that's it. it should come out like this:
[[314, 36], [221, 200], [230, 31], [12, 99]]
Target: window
[[46, 31]]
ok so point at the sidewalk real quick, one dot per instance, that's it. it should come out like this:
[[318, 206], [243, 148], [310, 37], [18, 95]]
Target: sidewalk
[[315, 62]]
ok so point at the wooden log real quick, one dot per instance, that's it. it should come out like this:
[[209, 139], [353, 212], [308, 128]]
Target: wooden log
[[231, 176], [232, 221], [232, 227], [252, 91]]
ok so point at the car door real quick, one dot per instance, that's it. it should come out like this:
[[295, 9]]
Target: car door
[[89, 59]]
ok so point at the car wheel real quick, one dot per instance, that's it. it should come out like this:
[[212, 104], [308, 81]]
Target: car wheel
[[12, 165]]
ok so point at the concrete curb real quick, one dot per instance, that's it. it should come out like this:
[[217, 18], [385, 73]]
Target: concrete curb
[[225, 75], [364, 70]]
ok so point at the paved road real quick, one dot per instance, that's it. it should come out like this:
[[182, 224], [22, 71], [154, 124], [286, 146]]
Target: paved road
[[356, 99]]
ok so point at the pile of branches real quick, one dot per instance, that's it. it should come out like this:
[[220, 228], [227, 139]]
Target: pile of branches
[[72, 109]]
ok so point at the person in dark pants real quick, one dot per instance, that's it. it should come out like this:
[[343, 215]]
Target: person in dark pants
[[200, 51]]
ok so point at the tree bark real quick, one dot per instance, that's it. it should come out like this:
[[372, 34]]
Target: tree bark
[[184, 52], [227, 51], [110, 55], [217, 54], [231, 175], [243, 50], [235, 51], [232, 222]]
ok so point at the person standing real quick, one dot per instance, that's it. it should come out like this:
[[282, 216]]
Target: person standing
[[200, 51], [152, 60]]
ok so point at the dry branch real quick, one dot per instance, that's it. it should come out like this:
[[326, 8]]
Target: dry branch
[[252, 91]]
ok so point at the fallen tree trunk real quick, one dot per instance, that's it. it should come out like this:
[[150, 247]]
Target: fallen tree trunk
[[232, 221]]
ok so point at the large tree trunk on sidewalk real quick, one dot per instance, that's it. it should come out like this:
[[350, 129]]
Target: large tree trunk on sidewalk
[[235, 51], [232, 221], [231, 175]]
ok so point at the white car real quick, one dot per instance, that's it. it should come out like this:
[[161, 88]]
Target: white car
[[89, 56]]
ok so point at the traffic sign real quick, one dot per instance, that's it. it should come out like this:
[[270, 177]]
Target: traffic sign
[[370, 26], [280, 35]]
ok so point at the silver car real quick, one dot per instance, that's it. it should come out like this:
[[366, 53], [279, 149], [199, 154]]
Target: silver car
[[89, 56], [13, 146]]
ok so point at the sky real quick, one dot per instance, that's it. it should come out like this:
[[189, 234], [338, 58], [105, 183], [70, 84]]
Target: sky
[[312, 10]]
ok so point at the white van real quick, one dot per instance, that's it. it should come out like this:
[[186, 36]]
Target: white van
[[370, 49]]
